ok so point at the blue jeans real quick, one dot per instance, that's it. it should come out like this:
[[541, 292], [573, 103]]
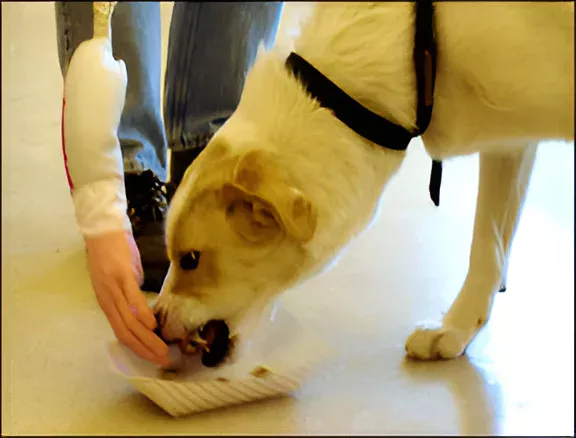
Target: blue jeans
[[211, 47]]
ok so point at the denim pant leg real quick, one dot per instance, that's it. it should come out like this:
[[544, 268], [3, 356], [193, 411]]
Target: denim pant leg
[[136, 39], [212, 45]]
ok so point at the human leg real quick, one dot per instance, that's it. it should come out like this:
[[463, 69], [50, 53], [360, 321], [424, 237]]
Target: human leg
[[136, 39], [212, 45]]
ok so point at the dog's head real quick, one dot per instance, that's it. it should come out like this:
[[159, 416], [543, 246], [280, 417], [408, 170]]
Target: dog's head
[[236, 235], [272, 200]]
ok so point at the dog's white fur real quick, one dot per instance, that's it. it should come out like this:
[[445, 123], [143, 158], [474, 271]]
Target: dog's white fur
[[304, 185]]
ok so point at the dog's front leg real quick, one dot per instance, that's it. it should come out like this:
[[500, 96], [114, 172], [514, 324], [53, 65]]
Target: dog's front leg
[[501, 193]]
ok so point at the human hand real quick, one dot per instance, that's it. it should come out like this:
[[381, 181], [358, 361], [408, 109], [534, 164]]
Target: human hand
[[116, 272]]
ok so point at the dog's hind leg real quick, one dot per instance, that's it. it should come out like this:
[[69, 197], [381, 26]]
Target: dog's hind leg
[[501, 193], [504, 279], [510, 221]]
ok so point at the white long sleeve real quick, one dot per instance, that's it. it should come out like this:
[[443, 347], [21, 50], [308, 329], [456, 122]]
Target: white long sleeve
[[94, 95]]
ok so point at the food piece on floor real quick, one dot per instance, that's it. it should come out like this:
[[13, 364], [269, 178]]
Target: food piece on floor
[[222, 379], [260, 372], [168, 374]]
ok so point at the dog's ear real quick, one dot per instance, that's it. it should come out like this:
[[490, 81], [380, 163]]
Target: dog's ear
[[267, 202]]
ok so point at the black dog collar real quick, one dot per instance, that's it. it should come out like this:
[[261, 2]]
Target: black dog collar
[[370, 125]]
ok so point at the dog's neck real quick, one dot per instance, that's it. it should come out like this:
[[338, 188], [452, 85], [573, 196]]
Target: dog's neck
[[368, 53], [336, 168]]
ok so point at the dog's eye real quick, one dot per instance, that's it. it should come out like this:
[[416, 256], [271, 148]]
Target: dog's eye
[[190, 261]]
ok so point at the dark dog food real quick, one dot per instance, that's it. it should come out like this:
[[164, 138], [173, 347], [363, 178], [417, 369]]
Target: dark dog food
[[217, 336]]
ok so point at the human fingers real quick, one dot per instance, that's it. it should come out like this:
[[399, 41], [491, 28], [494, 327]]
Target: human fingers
[[123, 334], [137, 303], [132, 321]]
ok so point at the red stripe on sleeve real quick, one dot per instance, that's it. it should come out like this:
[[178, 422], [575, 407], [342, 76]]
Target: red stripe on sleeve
[[70, 183]]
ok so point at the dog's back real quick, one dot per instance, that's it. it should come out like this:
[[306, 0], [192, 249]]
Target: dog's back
[[507, 65]]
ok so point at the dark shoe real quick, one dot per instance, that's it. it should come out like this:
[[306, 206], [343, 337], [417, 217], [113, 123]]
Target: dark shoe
[[182, 157], [148, 200]]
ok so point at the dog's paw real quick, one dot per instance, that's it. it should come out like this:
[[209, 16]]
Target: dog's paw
[[436, 342]]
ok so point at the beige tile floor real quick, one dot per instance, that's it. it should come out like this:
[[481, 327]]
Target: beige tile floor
[[516, 379]]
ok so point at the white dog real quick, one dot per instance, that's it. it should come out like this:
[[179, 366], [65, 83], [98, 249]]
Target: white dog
[[284, 186]]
